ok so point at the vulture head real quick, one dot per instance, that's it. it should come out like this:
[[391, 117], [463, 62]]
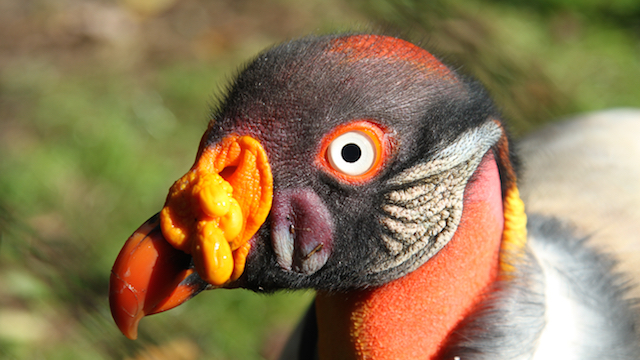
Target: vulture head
[[356, 165]]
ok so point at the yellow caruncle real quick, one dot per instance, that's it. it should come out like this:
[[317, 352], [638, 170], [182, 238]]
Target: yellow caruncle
[[211, 214]]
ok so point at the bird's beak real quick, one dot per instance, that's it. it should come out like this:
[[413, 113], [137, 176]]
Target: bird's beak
[[200, 239]]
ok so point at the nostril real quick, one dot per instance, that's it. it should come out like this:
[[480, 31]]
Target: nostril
[[302, 231], [227, 172]]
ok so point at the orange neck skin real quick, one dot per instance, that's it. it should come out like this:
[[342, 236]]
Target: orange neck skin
[[411, 317]]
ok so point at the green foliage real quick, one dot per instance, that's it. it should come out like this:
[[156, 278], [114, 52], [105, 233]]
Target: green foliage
[[540, 59]]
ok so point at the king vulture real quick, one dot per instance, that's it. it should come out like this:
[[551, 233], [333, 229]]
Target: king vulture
[[364, 168]]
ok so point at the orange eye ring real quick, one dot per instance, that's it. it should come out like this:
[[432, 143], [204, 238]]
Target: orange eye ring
[[354, 153]]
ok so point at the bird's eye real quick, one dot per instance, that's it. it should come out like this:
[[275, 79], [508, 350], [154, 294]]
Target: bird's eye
[[354, 152]]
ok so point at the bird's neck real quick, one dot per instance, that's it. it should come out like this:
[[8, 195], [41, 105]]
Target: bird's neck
[[413, 316]]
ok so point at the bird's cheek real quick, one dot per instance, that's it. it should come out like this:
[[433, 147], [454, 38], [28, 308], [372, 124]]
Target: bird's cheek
[[301, 231]]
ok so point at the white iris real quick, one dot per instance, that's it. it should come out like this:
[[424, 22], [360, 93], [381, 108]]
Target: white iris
[[352, 153]]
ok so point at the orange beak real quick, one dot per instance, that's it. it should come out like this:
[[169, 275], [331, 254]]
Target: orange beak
[[205, 226]]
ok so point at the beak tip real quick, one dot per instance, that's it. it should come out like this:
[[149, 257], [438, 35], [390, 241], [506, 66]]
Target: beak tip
[[130, 329], [127, 323], [126, 309], [147, 278]]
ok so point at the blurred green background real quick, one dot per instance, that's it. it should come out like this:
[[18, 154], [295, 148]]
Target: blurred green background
[[102, 104]]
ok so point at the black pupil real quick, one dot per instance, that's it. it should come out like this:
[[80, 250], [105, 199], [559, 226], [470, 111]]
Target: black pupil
[[351, 153]]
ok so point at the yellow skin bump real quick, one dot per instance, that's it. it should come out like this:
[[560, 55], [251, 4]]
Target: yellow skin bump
[[215, 208], [514, 236]]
